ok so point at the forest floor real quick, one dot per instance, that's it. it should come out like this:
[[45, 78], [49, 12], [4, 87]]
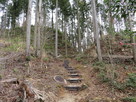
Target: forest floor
[[41, 73]]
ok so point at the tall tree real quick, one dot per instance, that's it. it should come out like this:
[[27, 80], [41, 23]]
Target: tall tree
[[109, 8], [66, 45], [133, 39], [65, 9], [134, 47], [52, 7], [79, 31], [39, 28], [95, 28], [56, 35], [28, 31], [35, 27]]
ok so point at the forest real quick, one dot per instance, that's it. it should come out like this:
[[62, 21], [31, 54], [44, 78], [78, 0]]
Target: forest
[[67, 50]]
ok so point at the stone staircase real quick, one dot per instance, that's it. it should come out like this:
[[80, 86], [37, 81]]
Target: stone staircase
[[74, 78]]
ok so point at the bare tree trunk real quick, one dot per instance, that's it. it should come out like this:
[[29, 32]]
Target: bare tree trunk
[[28, 29], [133, 39], [73, 32], [39, 29], [35, 27], [84, 44], [44, 32], [130, 27], [134, 47], [56, 35], [24, 24], [126, 23], [95, 27], [5, 24], [66, 46], [111, 19], [88, 37], [52, 20], [62, 23], [62, 27], [79, 32]]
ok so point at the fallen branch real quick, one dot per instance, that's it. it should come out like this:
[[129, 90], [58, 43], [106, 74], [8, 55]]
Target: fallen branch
[[12, 81], [118, 56], [11, 58]]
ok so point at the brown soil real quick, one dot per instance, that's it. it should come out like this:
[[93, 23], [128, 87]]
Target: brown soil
[[41, 73]]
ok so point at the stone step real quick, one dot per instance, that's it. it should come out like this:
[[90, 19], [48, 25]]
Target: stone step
[[74, 80], [73, 87], [75, 75], [66, 67], [73, 71], [70, 69]]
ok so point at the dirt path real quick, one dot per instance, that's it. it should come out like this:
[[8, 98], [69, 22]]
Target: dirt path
[[42, 79], [67, 97]]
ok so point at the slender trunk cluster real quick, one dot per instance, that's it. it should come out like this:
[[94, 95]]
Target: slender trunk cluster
[[76, 24], [38, 27]]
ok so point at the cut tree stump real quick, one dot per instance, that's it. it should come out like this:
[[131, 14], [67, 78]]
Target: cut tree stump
[[13, 90]]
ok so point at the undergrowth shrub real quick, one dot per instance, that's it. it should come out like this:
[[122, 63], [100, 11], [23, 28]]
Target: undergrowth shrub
[[129, 99], [101, 68], [101, 64], [131, 80], [103, 77], [79, 58], [118, 85], [109, 75], [82, 58], [16, 44], [46, 59]]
